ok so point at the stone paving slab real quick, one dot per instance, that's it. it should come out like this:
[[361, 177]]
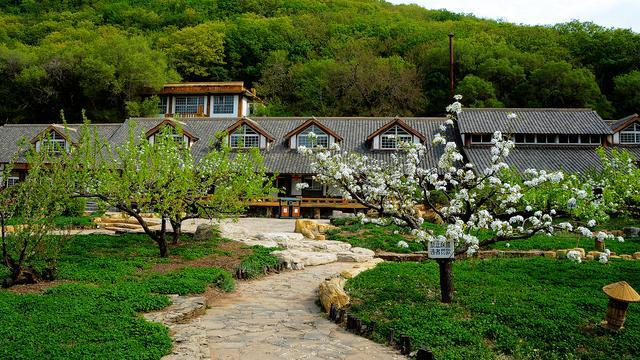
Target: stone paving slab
[[277, 318]]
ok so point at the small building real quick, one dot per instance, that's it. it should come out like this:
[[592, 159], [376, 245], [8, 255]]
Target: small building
[[206, 99]]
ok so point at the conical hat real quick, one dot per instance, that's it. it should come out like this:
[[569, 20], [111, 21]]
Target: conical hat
[[621, 291]]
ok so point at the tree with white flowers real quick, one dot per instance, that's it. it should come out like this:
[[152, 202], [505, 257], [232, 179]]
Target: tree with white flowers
[[467, 199]]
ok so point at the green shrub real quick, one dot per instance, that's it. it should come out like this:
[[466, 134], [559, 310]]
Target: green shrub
[[74, 207], [259, 259], [77, 321], [532, 308], [189, 281]]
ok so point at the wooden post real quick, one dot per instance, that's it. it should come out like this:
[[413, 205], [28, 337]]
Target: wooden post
[[405, 345], [390, 336], [446, 280]]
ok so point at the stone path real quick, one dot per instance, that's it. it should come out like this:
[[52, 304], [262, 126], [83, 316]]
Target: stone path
[[277, 318]]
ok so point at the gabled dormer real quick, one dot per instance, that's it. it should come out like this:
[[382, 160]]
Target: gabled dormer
[[626, 131], [246, 134], [312, 133], [54, 139], [177, 129], [392, 134]]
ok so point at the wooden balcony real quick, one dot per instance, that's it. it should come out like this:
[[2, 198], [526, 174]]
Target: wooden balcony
[[331, 203]]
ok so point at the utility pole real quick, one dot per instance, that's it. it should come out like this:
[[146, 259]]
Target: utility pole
[[451, 76]]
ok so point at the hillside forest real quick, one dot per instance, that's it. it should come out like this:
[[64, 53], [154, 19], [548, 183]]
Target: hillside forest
[[304, 57]]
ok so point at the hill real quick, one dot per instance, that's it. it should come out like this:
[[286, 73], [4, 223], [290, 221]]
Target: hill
[[305, 57]]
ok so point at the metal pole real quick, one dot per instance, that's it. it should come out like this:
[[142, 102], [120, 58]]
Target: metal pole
[[451, 76]]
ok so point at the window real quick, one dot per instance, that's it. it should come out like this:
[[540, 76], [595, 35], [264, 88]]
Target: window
[[12, 180], [53, 143], [172, 132], [162, 105], [556, 139], [190, 104], [244, 137], [481, 138], [389, 139], [631, 134], [313, 185], [223, 104], [321, 138]]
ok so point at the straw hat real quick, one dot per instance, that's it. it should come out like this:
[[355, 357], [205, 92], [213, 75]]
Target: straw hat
[[621, 291]]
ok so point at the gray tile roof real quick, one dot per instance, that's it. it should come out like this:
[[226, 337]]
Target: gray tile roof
[[576, 159], [532, 121], [12, 135], [615, 124], [279, 158]]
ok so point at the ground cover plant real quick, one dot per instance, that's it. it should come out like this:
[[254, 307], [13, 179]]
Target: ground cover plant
[[103, 283], [518, 308]]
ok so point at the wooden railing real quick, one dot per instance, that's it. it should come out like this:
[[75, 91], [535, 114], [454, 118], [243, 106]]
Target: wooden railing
[[337, 203]]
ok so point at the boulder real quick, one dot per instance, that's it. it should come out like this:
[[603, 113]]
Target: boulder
[[550, 254], [279, 237], [562, 254], [308, 228], [297, 260], [626, 257], [595, 254], [579, 250], [589, 257], [332, 292], [320, 237], [636, 255], [205, 232]]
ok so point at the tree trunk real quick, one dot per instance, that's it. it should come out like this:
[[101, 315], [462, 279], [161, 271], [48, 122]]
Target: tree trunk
[[446, 280], [177, 230], [162, 239]]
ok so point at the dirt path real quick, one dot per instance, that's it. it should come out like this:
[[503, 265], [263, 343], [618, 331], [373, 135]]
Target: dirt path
[[277, 318]]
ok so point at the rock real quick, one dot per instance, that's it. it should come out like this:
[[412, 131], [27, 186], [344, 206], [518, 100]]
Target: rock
[[581, 251], [614, 257], [636, 255], [320, 237], [308, 228], [561, 254], [332, 292], [589, 257], [279, 237], [631, 231], [626, 257], [351, 257], [205, 232], [595, 254], [324, 227], [550, 254], [297, 260]]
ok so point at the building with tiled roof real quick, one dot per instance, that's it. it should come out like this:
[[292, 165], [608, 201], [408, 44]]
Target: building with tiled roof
[[549, 139]]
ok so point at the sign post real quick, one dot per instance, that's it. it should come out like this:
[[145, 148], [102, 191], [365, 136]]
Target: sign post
[[439, 249]]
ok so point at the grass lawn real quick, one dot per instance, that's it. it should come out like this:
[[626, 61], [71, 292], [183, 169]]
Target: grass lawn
[[532, 308], [105, 281], [375, 237], [64, 222]]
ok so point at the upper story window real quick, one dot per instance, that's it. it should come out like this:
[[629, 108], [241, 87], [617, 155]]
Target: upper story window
[[392, 137], [223, 104], [321, 138], [53, 143], [630, 134], [481, 138], [190, 104], [244, 137], [162, 105], [557, 139]]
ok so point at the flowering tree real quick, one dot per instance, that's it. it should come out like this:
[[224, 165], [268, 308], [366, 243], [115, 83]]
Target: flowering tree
[[162, 177], [467, 199]]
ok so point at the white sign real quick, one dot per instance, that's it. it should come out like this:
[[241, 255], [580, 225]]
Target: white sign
[[441, 249]]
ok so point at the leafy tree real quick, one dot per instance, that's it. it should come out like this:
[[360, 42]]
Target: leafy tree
[[161, 176], [29, 251], [146, 107], [627, 93], [198, 51], [479, 92]]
